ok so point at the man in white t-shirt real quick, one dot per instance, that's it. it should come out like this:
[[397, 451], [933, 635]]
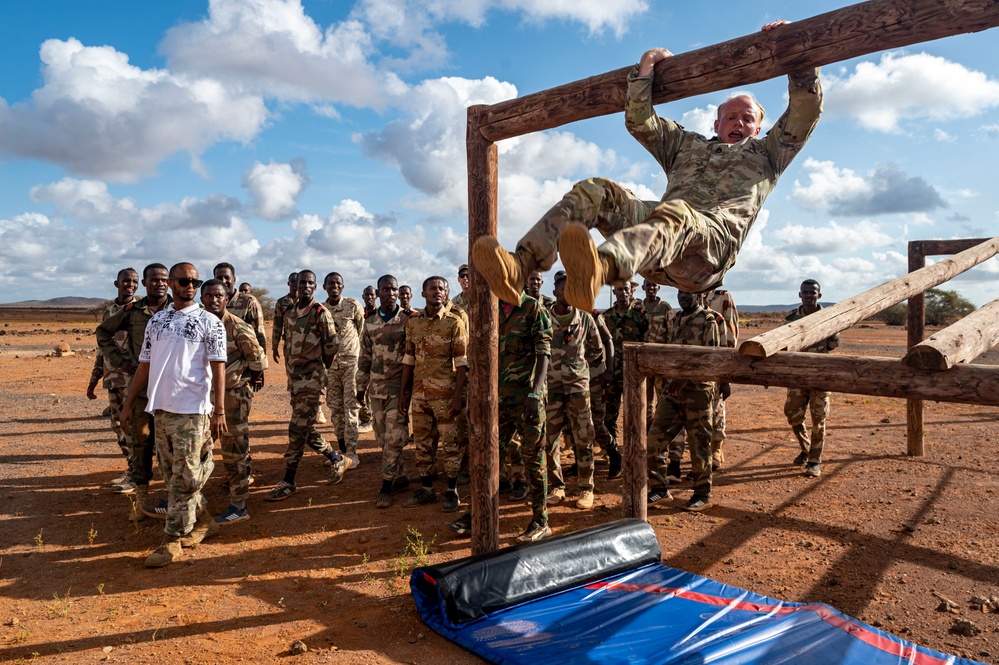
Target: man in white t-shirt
[[181, 363]]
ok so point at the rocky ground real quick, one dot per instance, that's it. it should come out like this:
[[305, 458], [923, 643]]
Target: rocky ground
[[905, 544]]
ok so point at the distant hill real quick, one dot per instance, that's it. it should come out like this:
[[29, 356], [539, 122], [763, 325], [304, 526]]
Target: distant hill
[[65, 301]]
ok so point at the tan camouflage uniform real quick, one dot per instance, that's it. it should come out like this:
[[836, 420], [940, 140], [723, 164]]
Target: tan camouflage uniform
[[115, 380], [436, 346], [461, 301], [715, 190], [722, 302], [816, 401], [247, 307], [576, 351], [280, 308], [307, 339], [662, 319], [244, 356], [132, 319], [341, 386], [691, 407], [379, 373]]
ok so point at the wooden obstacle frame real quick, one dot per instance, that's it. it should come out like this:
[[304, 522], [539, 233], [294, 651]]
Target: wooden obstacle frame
[[835, 36]]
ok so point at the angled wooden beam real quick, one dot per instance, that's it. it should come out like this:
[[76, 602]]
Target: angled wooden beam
[[859, 375], [831, 37], [960, 343], [483, 345], [819, 325]]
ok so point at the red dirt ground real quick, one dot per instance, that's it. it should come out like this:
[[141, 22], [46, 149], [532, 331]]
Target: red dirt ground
[[881, 536]]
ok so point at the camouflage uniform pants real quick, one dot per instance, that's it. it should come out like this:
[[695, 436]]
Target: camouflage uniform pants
[[798, 402], [184, 448], [140, 462], [690, 409], [430, 417], [391, 433], [364, 410], [573, 411], [302, 430], [532, 436], [341, 397], [236, 443], [598, 409], [668, 243], [613, 394], [116, 399], [718, 431]]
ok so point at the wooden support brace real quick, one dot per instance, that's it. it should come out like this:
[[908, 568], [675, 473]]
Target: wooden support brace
[[960, 343], [861, 375], [819, 325]]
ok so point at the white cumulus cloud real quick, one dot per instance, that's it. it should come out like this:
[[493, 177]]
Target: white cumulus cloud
[[885, 189], [275, 187]]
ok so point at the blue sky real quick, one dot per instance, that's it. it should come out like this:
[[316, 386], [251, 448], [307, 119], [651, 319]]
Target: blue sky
[[329, 135]]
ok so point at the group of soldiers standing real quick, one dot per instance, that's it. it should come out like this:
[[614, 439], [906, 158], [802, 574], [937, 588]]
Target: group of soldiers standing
[[559, 386]]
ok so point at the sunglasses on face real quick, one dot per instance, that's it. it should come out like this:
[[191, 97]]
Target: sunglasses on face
[[187, 281], [463, 275]]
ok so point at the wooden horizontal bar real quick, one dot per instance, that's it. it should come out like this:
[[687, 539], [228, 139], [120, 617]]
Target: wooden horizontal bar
[[962, 342]]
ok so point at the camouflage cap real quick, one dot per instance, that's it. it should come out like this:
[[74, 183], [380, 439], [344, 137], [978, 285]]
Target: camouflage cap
[[463, 266]]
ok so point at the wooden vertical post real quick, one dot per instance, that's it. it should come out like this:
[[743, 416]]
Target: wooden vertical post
[[915, 328], [483, 344], [634, 486]]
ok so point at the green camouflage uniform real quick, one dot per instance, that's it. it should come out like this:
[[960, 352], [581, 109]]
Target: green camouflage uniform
[[691, 407], [436, 346], [722, 302], [662, 319], [341, 386], [247, 307], [307, 339], [715, 190], [379, 374], [115, 380], [817, 401], [576, 351], [525, 332], [244, 356], [280, 307], [132, 319], [628, 326]]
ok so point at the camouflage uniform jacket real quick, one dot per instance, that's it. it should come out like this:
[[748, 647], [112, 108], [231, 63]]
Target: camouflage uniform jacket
[[701, 327], [383, 345], [307, 339], [132, 318], [113, 377], [348, 315], [435, 346], [722, 302], [280, 307], [628, 326], [606, 339], [247, 307], [461, 312], [524, 334], [727, 183], [662, 320], [461, 301], [244, 355], [576, 352], [547, 302], [826, 345]]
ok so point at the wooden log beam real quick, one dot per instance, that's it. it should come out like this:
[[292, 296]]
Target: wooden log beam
[[818, 326], [831, 37], [960, 343], [942, 247], [861, 375], [634, 484], [483, 344]]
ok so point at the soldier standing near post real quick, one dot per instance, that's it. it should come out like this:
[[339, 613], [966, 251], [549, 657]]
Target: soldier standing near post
[[721, 302], [283, 304], [244, 305], [341, 386]]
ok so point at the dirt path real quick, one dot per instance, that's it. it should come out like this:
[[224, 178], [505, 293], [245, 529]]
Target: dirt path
[[880, 536]]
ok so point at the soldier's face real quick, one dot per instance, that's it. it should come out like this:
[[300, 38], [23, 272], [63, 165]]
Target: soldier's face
[[651, 289], [156, 281], [463, 279], [369, 296], [184, 284], [226, 277], [738, 118], [306, 286], [388, 294], [405, 296], [435, 293], [333, 287], [244, 288], [623, 293], [686, 300], [293, 283], [809, 295], [534, 282], [214, 298], [127, 284], [559, 292]]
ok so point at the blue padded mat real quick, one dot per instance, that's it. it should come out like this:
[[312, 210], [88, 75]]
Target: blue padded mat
[[657, 614]]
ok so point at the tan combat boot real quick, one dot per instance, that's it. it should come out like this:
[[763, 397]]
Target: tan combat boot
[[205, 527], [501, 269], [585, 269], [140, 496], [168, 552]]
